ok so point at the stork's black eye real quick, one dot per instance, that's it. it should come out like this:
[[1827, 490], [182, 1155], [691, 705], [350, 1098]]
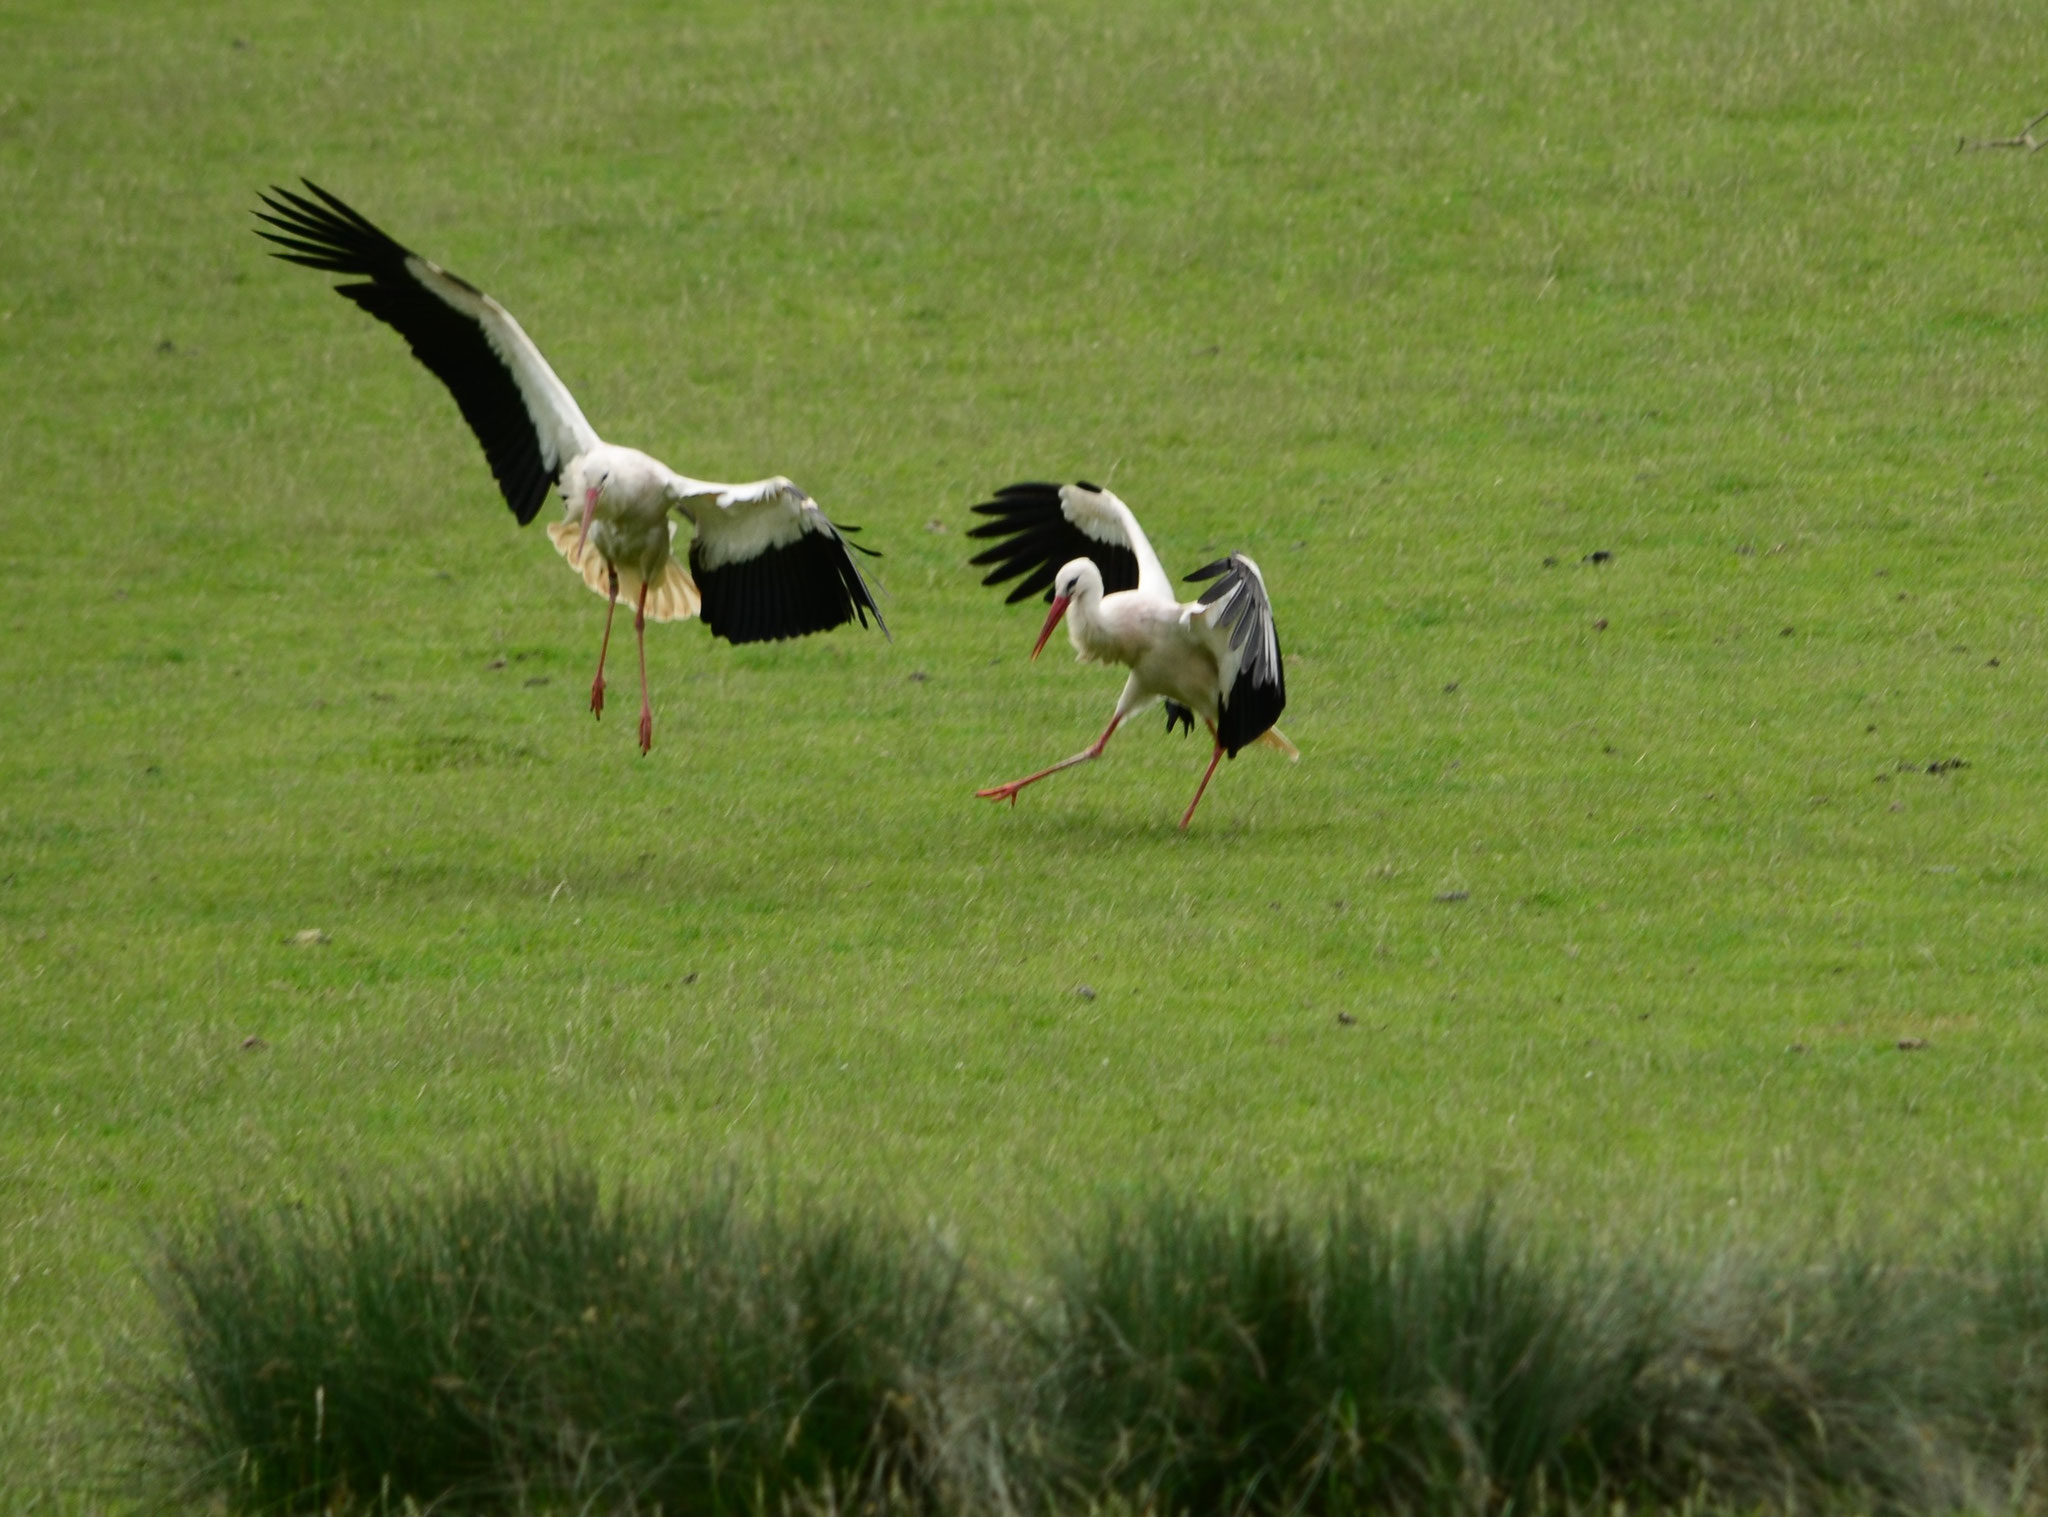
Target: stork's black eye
[[1082, 484]]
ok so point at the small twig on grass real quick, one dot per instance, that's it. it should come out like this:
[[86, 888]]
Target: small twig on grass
[[2025, 139]]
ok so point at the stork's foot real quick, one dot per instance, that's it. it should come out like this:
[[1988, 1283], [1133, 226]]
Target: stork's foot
[[1009, 792], [597, 696], [646, 729]]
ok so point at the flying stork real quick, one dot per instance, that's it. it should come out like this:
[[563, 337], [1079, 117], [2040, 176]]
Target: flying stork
[[765, 562], [1216, 657]]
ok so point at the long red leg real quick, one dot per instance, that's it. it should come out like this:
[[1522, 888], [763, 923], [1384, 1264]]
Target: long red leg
[[1189, 815], [597, 685], [646, 707], [1009, 792]]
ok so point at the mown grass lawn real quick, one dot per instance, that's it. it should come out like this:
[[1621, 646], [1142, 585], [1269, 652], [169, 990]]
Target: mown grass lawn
[[1633, 874]]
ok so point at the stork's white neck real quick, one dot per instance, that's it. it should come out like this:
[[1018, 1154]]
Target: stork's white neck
[[1091, 630]]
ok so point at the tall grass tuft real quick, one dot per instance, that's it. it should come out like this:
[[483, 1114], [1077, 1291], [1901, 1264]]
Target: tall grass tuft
[[1476, 1370], [1211, 1359], [525, 1341], [1847, 1382], [1203, 1358], [1181, 1358], [2014, 1325]]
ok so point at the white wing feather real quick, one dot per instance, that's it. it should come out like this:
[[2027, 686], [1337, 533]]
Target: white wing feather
[[738, 522], [559, 421], [1100, 515], [1259, 639]]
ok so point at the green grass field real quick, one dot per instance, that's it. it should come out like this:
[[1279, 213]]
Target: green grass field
[[1632, 874]]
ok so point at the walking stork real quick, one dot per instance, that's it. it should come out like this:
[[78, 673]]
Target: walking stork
[[765, 562], [1216, 657]]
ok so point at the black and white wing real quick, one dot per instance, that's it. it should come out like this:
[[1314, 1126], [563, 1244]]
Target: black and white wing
[[1042, 528], [523, 415], [769, 563], [1237, 619]]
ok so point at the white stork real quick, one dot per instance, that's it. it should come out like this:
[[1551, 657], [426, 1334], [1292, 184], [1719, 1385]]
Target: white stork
[[765, 562], [1216, 657]]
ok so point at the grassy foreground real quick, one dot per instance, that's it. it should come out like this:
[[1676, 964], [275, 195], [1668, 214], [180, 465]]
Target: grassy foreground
[[518, 1342], [1631, 875]]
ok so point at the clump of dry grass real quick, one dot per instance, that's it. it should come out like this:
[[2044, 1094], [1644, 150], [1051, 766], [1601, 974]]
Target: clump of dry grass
[[525, 1341]]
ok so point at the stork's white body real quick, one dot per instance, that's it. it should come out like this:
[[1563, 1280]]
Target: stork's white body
[[1165, 644], [629, 526], [631, 523]]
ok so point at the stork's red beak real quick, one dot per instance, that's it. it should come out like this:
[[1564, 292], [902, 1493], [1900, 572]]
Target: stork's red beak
[[1052, 620], [589, 507]]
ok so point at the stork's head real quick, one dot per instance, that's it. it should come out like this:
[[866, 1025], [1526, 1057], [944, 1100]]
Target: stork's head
[[1077, 579], [591, 488]]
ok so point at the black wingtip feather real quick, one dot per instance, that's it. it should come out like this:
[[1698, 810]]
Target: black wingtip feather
[[1036, 540], [809, 585], [1248, 710], [325, 233]]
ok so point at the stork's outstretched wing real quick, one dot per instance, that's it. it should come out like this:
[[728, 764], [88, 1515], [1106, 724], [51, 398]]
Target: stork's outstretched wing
[[769, 563], [1238, 621], [1044, 527], [523, 415]]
